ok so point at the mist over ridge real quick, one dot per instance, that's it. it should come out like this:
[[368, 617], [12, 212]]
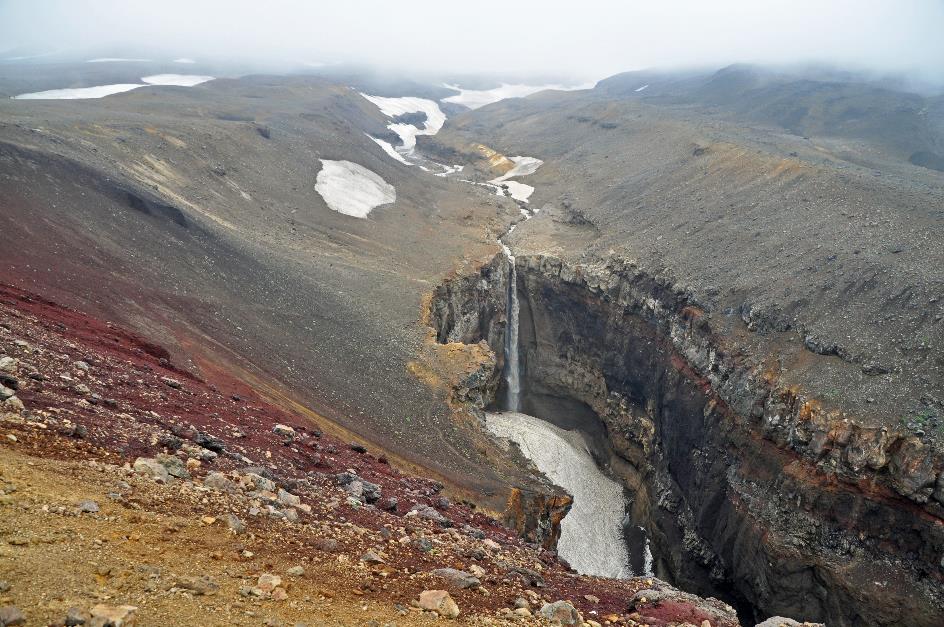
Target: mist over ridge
[[553, 39]]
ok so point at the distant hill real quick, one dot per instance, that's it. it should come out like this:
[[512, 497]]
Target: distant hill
[[909, 126]]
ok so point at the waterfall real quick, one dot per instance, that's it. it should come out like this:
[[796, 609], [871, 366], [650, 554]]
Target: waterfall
[[512, 368], [592, 534]]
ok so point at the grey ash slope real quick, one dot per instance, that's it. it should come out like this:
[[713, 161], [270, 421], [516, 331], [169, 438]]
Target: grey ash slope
[[807, 220], [191, 214]]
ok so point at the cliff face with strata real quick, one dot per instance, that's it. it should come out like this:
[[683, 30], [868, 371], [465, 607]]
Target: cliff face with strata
[[744, 483]]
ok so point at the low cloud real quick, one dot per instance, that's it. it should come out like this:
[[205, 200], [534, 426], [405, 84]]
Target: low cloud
[[592, 38]]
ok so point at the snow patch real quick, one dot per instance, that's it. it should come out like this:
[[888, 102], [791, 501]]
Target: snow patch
[[100, 91], [389, 149], [523, 166], [184, 60], [393, 107], [449, 169], [30, 56], [116, 60], [592, 533], [518, 191], [352, 189], [179, 80], [475, 98], [642, 88], [79, 93]]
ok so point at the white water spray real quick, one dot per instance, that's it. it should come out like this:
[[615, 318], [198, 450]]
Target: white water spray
[[512, 367]]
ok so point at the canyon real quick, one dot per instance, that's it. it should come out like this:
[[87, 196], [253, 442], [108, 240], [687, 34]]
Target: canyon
[[737, 479], [725, 288]]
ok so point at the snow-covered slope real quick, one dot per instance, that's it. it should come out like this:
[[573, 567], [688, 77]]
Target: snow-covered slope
[[180, 80], [100, 91], [592, 533], [394, 107], [475, 98], [352, 189], [523, 167]]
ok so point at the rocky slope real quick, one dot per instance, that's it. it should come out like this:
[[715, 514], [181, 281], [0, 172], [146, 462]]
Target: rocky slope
[[134, 492], [191, 216]]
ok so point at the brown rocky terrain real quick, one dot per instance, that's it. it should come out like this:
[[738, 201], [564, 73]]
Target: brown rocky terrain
[[127, 482]]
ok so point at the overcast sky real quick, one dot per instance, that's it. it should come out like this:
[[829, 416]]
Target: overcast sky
[[589, 38]]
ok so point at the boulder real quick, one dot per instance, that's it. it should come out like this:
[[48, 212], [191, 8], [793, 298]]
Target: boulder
[[427, 512], [268, 582], [259, 483], [77, 616], [371, 491], [287, 498], [780, 621], [209, 442], [198, 585], [219, 481], [457, 578], [174, 465], [11, 615], [113, 616], [150, 467], [912, 469], [440, 602], [172, 383], [371, 558], [284, 430], [235, 524], [88, 507], [561, 613]]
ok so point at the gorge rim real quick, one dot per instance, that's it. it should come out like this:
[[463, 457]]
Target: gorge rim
[[633, 364]]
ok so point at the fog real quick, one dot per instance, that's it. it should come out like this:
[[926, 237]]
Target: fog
[[588, 39]]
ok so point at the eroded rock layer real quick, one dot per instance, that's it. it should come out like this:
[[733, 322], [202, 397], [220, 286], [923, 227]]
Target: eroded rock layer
[[745, 484]]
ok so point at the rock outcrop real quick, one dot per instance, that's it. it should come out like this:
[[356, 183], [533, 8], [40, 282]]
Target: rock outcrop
[[744, 483]]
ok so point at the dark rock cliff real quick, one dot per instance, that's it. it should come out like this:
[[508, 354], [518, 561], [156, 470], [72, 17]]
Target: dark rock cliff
[[744, 484], [471, 309]]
